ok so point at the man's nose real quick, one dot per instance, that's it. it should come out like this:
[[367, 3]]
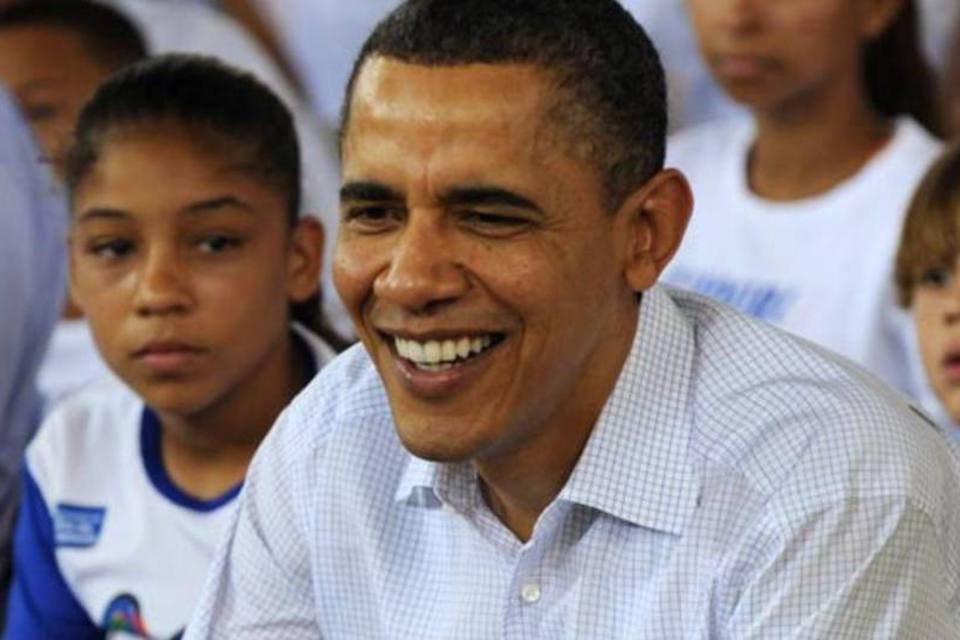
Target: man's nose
[[162, 287], [425, 270]]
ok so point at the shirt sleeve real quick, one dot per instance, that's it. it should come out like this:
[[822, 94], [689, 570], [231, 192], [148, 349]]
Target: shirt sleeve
[[41, 603], [259, 585], [33, 223], [867, 568]]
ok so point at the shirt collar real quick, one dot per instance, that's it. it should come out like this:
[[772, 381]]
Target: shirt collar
[[636, 464]]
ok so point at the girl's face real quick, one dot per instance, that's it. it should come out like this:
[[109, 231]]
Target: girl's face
[[769, 54], [185, 266], [936, 308]]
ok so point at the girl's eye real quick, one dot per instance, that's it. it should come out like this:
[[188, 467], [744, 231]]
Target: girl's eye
[[936, 278], [110, 249], [217, 243]]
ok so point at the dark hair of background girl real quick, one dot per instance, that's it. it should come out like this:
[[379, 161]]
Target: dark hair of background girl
[[211, 100], [899, 79]]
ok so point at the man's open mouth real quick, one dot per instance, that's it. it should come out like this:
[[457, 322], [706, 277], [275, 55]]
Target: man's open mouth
[[439, 355]]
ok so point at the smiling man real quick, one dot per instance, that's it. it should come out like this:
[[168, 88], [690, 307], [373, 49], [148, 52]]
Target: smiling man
[[536, 440]]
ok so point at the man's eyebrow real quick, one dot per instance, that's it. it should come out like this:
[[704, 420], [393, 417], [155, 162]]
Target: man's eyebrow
[[220, 202], [103, 213], [479, 195], [369, 191]]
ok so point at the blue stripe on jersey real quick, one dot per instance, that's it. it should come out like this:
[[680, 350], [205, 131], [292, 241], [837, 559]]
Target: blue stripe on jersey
[[41, 603], [150, 433]]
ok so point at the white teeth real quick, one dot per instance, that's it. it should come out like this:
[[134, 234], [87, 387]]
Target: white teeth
[[449, 351], [437, 355], [463, 347], [431, 352]]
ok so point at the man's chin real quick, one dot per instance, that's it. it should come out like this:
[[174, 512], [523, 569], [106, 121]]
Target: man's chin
[[438, 446]]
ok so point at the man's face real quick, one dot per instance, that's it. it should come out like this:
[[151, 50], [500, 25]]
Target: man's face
[[475, 255], [52, 74]]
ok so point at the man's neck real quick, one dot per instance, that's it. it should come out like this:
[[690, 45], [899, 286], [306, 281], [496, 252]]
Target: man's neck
[[520, 483]]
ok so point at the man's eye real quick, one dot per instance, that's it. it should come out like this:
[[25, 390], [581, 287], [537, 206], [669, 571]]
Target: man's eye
[[110, 249], [936, 278], [371, 217], [494, 223], [217, 243]]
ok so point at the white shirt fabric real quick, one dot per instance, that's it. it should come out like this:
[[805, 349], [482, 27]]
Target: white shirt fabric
[[187, 27], [820, 267], [739, 483], [106, 543]]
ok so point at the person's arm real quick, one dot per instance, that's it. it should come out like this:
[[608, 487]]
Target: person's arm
[[862, 568], [260, 585], [33, 222], [41, 603]]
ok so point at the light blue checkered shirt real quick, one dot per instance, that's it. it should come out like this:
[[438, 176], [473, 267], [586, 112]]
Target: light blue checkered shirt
[[740, 483]]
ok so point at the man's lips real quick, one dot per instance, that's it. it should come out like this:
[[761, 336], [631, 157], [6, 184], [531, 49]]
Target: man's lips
[[434, 364]]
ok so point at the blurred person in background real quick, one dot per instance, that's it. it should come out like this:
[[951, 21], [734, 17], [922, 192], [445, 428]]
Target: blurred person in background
[[54, 53], [951, 86], [927, 276], [799, 206], [32, 287]]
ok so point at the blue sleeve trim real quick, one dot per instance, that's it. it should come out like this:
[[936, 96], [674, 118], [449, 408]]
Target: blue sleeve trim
[[41, 605], [151, 452]]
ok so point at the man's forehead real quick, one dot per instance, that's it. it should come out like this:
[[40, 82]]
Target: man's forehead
[[390, 90]]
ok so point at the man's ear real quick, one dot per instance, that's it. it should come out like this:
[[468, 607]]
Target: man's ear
[[304, 259], [656, 217]]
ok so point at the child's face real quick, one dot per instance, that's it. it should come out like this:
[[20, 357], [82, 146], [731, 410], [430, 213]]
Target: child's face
[[773, 54], [936, 307], [185, 265], [51, 73]]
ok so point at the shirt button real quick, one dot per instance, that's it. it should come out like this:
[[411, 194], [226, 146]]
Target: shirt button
[[530, 593]]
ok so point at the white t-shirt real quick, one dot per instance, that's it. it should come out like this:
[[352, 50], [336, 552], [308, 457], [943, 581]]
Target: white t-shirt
[[820, 267], [106, 543]]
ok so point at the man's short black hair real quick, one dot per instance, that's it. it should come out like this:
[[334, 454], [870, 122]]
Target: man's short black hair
[[204, 96], [110, 37], [612, 92]]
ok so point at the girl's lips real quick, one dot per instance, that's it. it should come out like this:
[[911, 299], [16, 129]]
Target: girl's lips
[[168, 357]]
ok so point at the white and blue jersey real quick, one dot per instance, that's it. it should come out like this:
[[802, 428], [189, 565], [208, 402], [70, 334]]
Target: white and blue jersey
[[106, 544]]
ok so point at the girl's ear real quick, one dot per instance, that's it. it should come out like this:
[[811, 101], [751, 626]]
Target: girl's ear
[[878, 15], [304, 259], [656, 217]]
